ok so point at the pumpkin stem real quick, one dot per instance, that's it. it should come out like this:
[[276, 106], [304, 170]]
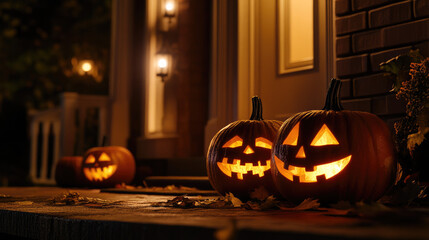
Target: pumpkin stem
[[256, 109], [333, 100]]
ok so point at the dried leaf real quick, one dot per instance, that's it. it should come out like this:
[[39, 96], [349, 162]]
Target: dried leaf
[[307, 204], [416, 139], [362, 209], [404, 195], [269, 203], [74, 198], [260, 193], [229, 197]]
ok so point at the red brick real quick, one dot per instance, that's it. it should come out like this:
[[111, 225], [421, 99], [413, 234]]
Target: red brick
[[352, 65], [421, 8], [363, 104], [390, 14], [346, 91], [362, 4], [369, 40], [343, 45], [342, 7], [372, 85], [394, 105], [406, 33], [424, 48], [379, 57], [387, 105], [351, 23]]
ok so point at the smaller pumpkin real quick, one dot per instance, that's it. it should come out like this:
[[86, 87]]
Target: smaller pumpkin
[[108, 166], [68, 171], [239, 155]]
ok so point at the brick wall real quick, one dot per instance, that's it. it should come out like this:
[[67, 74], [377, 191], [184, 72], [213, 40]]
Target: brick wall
[[369, 32]]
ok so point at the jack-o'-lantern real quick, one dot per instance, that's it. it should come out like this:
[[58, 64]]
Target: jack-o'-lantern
[[239, 155], [108, 166], [333, 154]]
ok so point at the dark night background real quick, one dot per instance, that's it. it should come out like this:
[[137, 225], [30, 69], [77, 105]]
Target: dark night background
[[38, 41]]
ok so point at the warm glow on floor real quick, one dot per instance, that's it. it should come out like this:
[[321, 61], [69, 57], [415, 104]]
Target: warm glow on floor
[[236, 167], [329, 170]]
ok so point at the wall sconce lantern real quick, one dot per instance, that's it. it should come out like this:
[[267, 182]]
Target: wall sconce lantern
[[86, 68], [163, 63]]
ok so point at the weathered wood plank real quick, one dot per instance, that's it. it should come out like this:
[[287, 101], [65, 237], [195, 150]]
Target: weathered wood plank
[[29, 213]]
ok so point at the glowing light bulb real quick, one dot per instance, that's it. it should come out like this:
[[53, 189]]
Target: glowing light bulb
[[169, 7], [86, 67], [162, 63]]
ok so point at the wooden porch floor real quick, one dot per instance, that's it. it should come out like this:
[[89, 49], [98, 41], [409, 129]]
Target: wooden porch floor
[[29, 213]]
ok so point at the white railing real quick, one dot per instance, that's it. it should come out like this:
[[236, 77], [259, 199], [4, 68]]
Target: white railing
[[64, 131]]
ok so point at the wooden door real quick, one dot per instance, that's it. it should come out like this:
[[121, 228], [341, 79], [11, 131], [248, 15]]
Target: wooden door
[[284, 55]]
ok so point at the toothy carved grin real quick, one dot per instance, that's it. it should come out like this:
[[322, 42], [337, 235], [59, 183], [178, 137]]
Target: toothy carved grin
[[99, 174], [235, 167], [328, 170]]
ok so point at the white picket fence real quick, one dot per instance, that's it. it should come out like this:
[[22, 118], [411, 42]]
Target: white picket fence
[[63, 131]]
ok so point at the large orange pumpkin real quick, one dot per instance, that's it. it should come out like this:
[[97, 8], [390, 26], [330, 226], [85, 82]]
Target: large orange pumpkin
[[239, 155], [108, 166], [333, 154]]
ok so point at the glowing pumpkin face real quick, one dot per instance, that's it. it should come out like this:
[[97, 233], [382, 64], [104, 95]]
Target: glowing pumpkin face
[[239, 155], [333, 154], [244, 158], [98, 168], [108, 166], [299, 169]]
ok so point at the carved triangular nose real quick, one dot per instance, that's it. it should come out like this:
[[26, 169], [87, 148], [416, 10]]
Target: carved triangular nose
[[301, 153], [248, 150]]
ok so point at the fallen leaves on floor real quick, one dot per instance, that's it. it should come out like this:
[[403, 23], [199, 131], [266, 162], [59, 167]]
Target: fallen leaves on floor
[[379, 213], [74, 198], [230, 201]]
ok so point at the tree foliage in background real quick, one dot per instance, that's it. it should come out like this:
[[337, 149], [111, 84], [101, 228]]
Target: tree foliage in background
[[38, 40]]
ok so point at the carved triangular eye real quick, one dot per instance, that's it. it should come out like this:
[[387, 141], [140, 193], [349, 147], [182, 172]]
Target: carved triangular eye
[[104, 158], [263, 143], [90, 159], [292, 138], [324, 137], [233, 142]]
